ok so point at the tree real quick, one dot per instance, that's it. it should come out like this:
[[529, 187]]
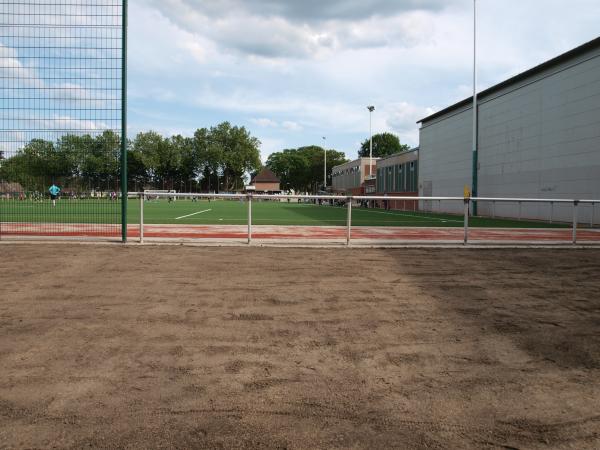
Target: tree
[[222, 153], [302, 169], [292, 168], [384, 144], [157, 157], [225, 153], [94, 161], [137, 173], [209, 157], [185, 164]]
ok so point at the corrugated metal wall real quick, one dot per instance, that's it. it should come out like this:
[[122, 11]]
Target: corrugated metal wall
[[540, 139]]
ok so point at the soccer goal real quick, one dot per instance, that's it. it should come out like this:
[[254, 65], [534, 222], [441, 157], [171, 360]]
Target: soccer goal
[[156, 194]]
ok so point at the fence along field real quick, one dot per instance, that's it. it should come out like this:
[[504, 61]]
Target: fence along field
[[62, 115], [338, 218]]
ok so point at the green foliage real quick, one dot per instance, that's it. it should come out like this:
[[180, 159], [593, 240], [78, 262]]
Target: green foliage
[[384, 144], [301, 169], [221, 156], [79, 162]]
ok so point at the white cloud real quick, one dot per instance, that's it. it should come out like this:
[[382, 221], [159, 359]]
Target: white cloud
[[291, 126], [263, 122], [270, 145], [268, 123], [299, 70], [293, 29]]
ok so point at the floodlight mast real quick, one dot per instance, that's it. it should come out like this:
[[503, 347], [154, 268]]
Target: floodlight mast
[[371, 109]]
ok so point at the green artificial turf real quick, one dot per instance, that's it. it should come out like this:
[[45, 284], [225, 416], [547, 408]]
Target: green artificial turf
[[234, 212]]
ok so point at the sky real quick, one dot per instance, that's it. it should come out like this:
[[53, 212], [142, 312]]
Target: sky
[[296, 71]]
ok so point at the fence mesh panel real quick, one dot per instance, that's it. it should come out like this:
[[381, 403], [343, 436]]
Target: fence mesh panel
[[61, 83]]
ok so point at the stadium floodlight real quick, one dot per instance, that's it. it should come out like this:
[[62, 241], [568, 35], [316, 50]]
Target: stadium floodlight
[[324, 163], [371, 109]]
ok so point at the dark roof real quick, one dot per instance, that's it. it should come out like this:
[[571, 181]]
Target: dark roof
[[265, 176], [591, 45]]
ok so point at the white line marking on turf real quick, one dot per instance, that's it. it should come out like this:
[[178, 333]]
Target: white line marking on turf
[[193, 214]]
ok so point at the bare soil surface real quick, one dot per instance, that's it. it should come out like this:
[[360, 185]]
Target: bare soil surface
[[190, 347]]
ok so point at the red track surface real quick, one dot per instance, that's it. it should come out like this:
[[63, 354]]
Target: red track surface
[[399, 234]]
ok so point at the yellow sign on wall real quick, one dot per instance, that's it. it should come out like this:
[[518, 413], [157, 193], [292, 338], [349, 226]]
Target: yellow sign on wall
[[467, 191]]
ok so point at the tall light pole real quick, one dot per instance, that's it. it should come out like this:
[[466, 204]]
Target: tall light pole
[[371, 109], [475, 155], [324, 163]]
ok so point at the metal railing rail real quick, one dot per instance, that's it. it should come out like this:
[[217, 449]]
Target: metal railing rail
[[349, 199]]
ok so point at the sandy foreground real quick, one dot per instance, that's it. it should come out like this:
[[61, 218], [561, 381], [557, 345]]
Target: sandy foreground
[[190, 347]]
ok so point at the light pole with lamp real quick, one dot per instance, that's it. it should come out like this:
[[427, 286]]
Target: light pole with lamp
[[371, 109]]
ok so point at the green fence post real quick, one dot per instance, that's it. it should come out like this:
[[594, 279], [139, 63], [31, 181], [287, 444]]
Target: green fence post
[[124, 124]]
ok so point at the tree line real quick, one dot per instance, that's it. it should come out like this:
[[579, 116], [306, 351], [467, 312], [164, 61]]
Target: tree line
[[214, 159], [301, 168]]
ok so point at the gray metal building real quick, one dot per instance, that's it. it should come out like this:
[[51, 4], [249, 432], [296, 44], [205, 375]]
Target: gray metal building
[[398, 173], [538, 137], [349, 178]]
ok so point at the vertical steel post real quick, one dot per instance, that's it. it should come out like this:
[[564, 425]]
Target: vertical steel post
[[249, 218], [349, 221], [493, 209], [466, 237], [520, 210], [124, 124], [551, 211], [141, 218], [474, 190], [592, 219], [575, 211], [370, 141]]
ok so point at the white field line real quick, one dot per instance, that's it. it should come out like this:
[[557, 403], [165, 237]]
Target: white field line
[[193, 214]]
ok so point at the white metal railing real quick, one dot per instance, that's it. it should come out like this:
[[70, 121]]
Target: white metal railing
[[349, 199]]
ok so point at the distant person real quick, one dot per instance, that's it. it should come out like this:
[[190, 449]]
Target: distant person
[[54, 191]]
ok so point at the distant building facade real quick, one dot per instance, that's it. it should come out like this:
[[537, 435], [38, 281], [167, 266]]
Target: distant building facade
[[349, 178], [266, 182], [397, 175], [538, 136]]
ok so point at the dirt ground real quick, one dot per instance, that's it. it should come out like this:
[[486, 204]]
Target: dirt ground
[[191, 347]]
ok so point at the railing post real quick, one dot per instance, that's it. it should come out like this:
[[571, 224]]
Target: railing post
[[249, 218], [592, 219], [575, 210], [520, 210], [349, 221], [493, 209], [551, 211], [466, 237], [141, 218]]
